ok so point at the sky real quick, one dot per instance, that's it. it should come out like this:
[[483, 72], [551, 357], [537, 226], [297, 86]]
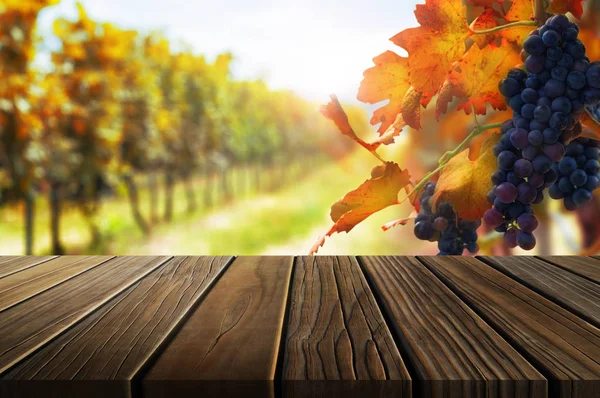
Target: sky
[[313, 47]]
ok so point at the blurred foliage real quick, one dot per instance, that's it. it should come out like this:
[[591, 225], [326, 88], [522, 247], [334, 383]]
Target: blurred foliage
[[117, 103]]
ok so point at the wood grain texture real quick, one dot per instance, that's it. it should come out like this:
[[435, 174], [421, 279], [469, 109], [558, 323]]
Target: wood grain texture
[[563, 346], [587, 267], [119, 339], [22, 285], [11, 264], [336, 332], [28, 326], [579, 295], [453, 352], [234, 335]]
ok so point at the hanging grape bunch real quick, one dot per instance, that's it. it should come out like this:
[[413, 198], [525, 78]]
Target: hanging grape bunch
[[452, 233], [547, 102], [545, 149]]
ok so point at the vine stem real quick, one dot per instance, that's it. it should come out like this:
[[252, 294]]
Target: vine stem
[[541, 16], [504, 27], [443, 161]]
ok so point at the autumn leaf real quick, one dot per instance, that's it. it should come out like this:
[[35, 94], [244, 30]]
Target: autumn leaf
[[478, 74], [487, 20], [485, 3], [465, 182], [400, 222], [411, 108], [375, 194], [563, 6], [521, 10], [388, 80], [592, 127], [436, 44], [444, 98], [334, 111]]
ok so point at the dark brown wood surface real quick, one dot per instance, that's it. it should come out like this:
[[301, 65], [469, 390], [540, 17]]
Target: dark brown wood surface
[[11, 264], [26, 327], [561, 345], [579, 295], [451, 327], [233, 335], [336, 332], [20, 286], [587, 267], [444, 339]]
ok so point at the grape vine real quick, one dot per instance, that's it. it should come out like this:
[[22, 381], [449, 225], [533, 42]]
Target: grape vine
[[518, 58]]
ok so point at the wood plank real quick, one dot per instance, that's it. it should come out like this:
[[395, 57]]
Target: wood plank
[[11, 264], [229, 345], [119, 339], [22, 285], [28, 326], [452, 351], [563, 346], [588, 267], [336, 332], [579, 295]]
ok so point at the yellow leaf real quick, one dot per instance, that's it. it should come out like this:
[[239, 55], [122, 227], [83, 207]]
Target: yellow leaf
[[465, 182]]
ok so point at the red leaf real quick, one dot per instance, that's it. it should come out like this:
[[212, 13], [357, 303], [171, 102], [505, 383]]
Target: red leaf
[[563, 6]]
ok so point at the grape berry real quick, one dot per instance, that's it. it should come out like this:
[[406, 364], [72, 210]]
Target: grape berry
[[452, 233]]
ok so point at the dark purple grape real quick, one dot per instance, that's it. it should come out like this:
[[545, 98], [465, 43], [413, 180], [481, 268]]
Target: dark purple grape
[[555, 152], [581, 196], [506, 160], [530, 152], [565, 186], [527, 222], [593, 76], [560, 73], [535, 138], [555, 88], [578, 178], [509, 87], [535, 63], [576, 80], [550, 38], [519, 138], [529, 96], [527, 193], [525, 240], [551, 136], [592, 166], [523, 168], [562, 104], [507, 192], [555, 192], [541, 164], [570, 34], [542, 113], [440, 224], [424, 230], [534, 45]]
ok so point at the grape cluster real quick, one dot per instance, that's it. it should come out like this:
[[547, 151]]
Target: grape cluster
[[547, 102], [578, 173], [452, 233]]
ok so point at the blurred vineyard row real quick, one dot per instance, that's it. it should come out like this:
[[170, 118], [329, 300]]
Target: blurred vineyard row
[[121, 108]]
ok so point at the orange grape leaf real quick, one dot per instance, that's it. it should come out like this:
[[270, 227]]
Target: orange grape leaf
[[388, 80], [487, 20], [521, 10], [411, 108], [375, 194], [393, 131], [465, 182], [485, 3], [400, 222], [334, 111], [436, 44], [592, 126], [478, 74], [563, 6], [444, 98]]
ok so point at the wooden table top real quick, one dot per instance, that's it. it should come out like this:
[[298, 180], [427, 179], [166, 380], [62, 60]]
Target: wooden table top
[[96, 326]]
